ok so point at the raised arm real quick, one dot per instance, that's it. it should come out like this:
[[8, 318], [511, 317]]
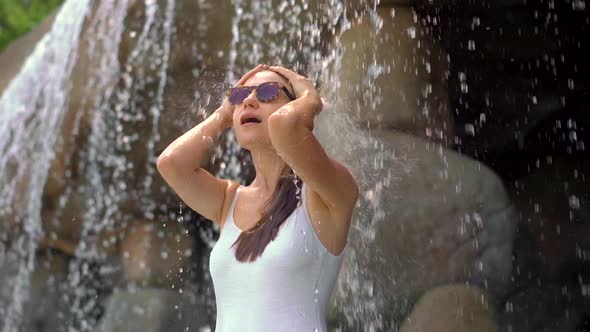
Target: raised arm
[[290, 130], [180, 163]]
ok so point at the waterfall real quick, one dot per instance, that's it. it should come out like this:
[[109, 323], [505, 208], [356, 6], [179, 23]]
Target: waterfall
[[31, 113], [108, 162]]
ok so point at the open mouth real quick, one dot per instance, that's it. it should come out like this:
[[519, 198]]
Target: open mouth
[[249, 120]]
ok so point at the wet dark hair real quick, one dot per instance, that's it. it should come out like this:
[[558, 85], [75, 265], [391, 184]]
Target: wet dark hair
[[283, 201]]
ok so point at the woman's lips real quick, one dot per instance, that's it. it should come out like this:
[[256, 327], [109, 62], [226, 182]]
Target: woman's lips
[[249, 118]]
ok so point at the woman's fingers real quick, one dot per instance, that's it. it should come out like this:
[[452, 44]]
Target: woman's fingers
[[291, 75], [299, 83], [251, 73]]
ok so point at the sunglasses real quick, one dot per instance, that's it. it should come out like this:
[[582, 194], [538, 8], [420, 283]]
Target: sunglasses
[[265, 92]]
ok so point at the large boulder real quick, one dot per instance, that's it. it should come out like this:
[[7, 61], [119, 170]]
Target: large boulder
[[154, 254], [152, 310], [393, 75], [43, 303], [427, 216], [452, 308]]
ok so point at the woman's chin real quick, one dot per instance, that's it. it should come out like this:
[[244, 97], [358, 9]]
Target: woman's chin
[[252, 139]]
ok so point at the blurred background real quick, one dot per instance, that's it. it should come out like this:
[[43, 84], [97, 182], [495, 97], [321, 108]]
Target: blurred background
[[464, 123]]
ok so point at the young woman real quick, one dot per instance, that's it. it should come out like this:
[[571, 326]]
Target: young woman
[[282, 237]]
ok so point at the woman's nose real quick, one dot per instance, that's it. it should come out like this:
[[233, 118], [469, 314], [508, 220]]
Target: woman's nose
[[251, 100]]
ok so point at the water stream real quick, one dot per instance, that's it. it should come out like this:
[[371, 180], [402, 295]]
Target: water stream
[[31, 112]]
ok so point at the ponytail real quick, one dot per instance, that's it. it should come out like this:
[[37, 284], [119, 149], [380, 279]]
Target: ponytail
[[283, 201]]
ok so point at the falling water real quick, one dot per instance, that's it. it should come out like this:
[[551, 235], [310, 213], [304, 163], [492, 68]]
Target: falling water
[[32, 109], [32, 104], [108, 161]]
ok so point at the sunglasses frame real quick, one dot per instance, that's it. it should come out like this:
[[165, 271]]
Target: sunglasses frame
[[255, 87]]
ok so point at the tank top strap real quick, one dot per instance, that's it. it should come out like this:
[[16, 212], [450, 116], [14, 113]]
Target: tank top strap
[[230, 213], [303, 194]]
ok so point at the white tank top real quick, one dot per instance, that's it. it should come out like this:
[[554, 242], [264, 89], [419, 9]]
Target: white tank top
[[287, 288]]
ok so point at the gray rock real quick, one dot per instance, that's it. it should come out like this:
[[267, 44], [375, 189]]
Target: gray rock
[[452, 308], [156, 255], [43, 306], [394, 76], [152, 310], [430, 216]]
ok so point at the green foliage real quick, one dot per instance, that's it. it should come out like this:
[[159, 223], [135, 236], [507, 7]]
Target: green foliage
[[18, 17]]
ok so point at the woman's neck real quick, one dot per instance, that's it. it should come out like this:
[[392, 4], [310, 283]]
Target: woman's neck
[[269, 168]]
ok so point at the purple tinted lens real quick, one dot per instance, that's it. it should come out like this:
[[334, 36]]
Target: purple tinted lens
[[237, 95], [267, 91]]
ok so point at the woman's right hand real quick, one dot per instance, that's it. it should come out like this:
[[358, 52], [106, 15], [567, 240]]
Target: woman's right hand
[[226, 110], [225, 113]]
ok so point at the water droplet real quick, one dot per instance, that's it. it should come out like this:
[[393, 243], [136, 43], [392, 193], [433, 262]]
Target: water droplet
[[509, 306], [570, 84], [578, 5], [464, 87], [470, 129], [574, 202], [411, 32], [573, 136], [475, 22], [478, 220]]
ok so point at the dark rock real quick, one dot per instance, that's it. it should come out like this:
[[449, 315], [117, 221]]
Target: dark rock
[[152, 310]]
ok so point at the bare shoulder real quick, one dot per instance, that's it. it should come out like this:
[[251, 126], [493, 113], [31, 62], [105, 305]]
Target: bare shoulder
[[347, 193]]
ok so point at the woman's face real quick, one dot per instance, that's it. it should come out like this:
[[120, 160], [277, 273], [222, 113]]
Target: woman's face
[[252, 134]]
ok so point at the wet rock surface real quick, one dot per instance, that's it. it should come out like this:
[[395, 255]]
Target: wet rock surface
[[452, 308], [151, 309], [437, 218], [394, 77]]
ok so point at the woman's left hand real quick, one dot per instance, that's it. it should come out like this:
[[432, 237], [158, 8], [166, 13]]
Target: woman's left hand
[[303, 88]]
